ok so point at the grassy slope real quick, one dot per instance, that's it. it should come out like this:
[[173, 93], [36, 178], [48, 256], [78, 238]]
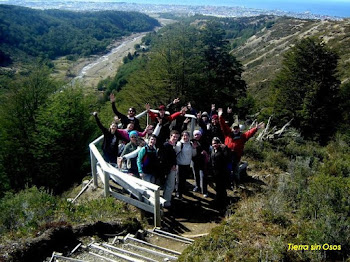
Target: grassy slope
[[262, 54]]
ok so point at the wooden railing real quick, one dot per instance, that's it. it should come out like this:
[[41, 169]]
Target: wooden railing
[[142, 194]]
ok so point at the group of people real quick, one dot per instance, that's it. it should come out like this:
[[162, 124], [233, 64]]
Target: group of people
[[168, 157]]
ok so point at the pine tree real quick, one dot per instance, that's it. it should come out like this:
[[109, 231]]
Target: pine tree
[[307, 89]]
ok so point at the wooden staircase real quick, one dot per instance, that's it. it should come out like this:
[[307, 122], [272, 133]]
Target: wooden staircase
[[146, 245]]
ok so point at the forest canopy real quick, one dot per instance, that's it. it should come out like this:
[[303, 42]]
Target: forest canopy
[[53, 33]]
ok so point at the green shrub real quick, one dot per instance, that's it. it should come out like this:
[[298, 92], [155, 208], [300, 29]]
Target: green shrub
[[275, 210], [24, 212], [101, 209], [296, 149], [337, 162], [326, 203], [33, 209], [254, 149], [276, 159]]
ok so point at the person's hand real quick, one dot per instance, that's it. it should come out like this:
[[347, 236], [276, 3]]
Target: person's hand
[[220, 112], [187, 120], [116, 119], [112, 98], [160, 120], [173, 168], [229, 110], [94, 113], [183, 110], [260, 125], [194, 144], [176, 100], [147, 106]]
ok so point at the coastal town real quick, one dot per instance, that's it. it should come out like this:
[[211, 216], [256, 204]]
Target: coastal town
[[184, 10]]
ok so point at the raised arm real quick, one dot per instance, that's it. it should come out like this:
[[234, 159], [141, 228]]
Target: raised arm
[[145, 132], [152, 115], [224, 127], [158, 127], [185, 124], [99, 124], [175, 101], [123, 134], [114, 108], [175, 115], [251, 132]]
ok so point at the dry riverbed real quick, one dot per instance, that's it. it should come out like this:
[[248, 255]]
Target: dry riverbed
[[89, 71]]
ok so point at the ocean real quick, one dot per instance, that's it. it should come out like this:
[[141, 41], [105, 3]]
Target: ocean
[[338, 8]]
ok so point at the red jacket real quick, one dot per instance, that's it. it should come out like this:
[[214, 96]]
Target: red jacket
[[236, 145], [170, 118]]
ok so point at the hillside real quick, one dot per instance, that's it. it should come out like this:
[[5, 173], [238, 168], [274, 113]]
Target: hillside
[[296, 192], [28, 33], [262, 53]]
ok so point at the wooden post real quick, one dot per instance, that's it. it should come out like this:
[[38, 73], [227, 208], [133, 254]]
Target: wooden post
[[193, 124], [93, 168], [106, 184], [157, 219]]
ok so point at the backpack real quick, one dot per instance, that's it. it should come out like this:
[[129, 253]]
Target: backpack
[[150, 161]]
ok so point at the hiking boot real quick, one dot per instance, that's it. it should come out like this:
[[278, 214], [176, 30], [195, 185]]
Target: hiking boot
[[167, 204], [178, 196]]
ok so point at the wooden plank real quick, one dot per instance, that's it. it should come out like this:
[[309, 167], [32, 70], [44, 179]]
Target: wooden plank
[[93, 168], [146, 184], [157, 217], [126, 257], [133, 202]]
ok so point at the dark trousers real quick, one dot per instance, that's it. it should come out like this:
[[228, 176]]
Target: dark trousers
[[183, 172], [201, 179], [220, 178]]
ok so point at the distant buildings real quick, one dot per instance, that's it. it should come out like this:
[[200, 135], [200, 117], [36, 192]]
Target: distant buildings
[[186, 10]]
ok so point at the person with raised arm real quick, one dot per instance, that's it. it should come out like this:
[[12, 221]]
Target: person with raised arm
[[125, 119], [110, 140], [219, 159], [166, 121], [235, 141]]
